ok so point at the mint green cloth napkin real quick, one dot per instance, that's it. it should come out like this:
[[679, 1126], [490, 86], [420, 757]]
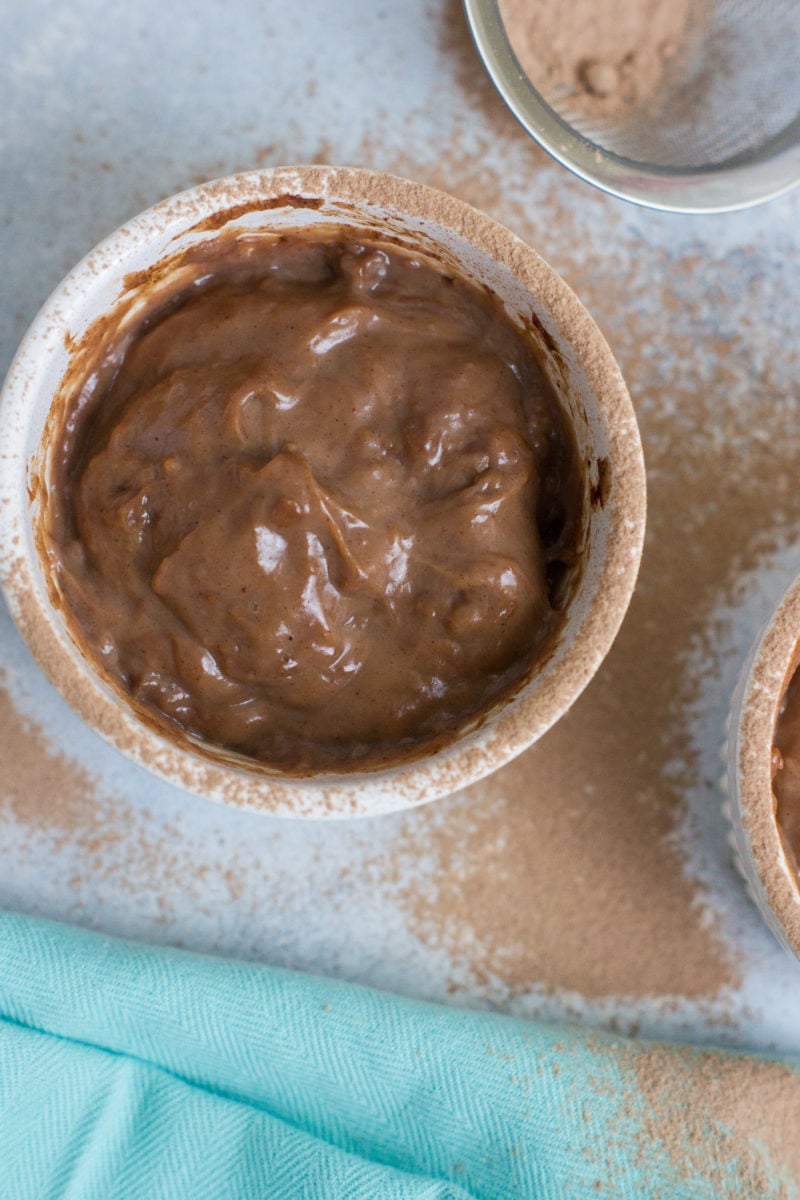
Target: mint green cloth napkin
[[132, 1071]]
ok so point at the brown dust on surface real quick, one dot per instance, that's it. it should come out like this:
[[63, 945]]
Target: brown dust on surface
[[42, 789], [746, 1109], [52, 799]]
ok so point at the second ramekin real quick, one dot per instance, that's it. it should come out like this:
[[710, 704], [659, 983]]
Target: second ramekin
[[760, 853]]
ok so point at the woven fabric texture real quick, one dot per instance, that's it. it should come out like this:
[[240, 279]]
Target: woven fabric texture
[[130, 1071]]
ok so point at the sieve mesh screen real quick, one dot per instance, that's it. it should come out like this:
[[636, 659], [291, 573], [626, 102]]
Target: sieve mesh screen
[[729, 93]]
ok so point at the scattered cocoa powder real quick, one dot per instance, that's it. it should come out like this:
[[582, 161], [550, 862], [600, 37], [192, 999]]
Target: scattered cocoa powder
[[42, 789], [555, 872], [747, 1108], [596, 57], [58, 805], [690, 1122]]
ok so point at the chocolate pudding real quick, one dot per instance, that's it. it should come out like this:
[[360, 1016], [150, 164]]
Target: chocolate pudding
[[786, 769], [313, 501]]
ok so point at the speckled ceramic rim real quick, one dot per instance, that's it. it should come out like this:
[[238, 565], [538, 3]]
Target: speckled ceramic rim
[[586, 374], [751, 804], [717, 189]]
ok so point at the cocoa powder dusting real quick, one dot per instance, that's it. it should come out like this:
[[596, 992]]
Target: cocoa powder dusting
[[51, 799], [42, 789], [598, 58], [749, 1107], [557, 873]]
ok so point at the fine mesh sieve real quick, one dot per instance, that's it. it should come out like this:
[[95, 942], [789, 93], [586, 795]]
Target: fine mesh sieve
[[720, 131]]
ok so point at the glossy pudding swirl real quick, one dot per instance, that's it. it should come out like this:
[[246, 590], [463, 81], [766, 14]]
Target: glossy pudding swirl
[[318, 506], [786, 769]]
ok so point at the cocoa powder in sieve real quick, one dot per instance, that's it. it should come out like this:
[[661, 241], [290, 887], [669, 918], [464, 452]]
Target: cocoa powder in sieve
[[598, 58]]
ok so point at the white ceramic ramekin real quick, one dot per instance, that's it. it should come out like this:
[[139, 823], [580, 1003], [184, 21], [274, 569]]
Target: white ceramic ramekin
[[750, 808], [577, 359]]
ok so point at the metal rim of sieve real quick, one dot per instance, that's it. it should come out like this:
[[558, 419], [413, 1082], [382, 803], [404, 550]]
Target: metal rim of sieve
[[713, 189]]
